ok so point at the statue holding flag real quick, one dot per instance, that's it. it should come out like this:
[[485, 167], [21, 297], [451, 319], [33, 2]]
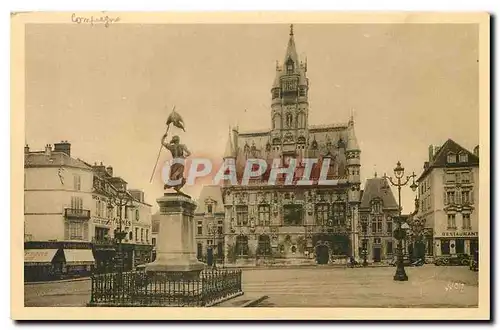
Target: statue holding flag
[[179, 153]]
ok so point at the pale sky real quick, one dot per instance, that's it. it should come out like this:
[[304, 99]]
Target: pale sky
[[108, 91]]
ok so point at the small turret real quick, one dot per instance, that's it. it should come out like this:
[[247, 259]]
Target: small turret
[[353, 162], [229, 152]]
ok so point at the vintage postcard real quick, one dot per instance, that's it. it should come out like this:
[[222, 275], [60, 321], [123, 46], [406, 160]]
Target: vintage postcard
[[250, 166]]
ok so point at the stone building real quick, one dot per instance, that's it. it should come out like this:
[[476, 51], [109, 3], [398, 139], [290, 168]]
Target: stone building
[[155, 230], [57, 213], [377, 211], [448, 194], [293, 223], [209, 219], [69, 224]]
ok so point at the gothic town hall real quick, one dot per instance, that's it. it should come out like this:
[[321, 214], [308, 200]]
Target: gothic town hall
[[287, 223]]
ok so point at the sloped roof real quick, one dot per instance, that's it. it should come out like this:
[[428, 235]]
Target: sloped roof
[[56, 159], [378, 188], [440, 159], [213, 192]]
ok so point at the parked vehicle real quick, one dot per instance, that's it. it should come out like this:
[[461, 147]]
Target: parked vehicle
[[418, 263], [452, 260], [474, 261]]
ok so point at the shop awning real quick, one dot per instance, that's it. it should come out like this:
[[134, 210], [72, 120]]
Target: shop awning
[[78, 257], [39, 257]]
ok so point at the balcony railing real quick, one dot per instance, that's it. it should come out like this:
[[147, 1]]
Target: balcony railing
[[77, 213]]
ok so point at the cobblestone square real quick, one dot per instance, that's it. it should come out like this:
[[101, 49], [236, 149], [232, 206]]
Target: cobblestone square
[[428, 286]]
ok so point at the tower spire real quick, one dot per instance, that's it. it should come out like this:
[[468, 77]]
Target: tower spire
[[291, 52]]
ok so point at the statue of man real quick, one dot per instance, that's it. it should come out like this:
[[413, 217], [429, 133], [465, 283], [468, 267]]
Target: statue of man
[[179, 153]]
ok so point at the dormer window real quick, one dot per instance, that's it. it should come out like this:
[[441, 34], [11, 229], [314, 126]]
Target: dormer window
[[314, 145], [463, 158], [452, 158], [376, 207], [209, 209]]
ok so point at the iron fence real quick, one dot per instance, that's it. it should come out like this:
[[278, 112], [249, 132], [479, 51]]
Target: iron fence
[[139, 288]]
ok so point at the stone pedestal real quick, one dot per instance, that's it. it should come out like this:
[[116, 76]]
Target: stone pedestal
[[176, 244]]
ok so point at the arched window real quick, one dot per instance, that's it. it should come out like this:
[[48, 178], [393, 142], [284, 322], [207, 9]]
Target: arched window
[[289, 66], [264, 245], [242, 245]]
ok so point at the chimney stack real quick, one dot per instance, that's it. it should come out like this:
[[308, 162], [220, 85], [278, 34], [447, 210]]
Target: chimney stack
[[48, 150], [26, 149], [431, 153], [109, 169], [137, 194], [476, 151], [63, 146]]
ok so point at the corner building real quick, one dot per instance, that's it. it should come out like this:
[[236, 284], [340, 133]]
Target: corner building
[[448, 190], [293, 223]]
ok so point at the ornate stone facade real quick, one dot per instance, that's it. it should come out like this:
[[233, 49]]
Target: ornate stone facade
[[378, 211], [310, 223]]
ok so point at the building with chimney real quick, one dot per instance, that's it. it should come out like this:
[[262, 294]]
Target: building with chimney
[[377, 212], [448, 197], [69, 222], [291, 223], [134, 216], [57, 208]]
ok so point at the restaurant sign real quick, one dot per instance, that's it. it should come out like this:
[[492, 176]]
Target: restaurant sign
[[459, 234]]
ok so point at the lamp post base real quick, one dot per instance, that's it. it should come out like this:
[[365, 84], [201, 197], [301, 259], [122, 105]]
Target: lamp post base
[[400, 274]]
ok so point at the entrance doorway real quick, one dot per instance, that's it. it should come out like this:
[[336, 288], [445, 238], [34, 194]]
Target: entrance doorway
[[322, 254], [377, 254]]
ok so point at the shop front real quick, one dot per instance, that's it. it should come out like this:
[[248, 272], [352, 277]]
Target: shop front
[[42, 264], [52, 260], [452, 243], [78, 262]]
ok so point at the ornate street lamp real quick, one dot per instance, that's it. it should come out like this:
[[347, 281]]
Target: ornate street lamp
[[120, 200], [212, 229], [400, 232]]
